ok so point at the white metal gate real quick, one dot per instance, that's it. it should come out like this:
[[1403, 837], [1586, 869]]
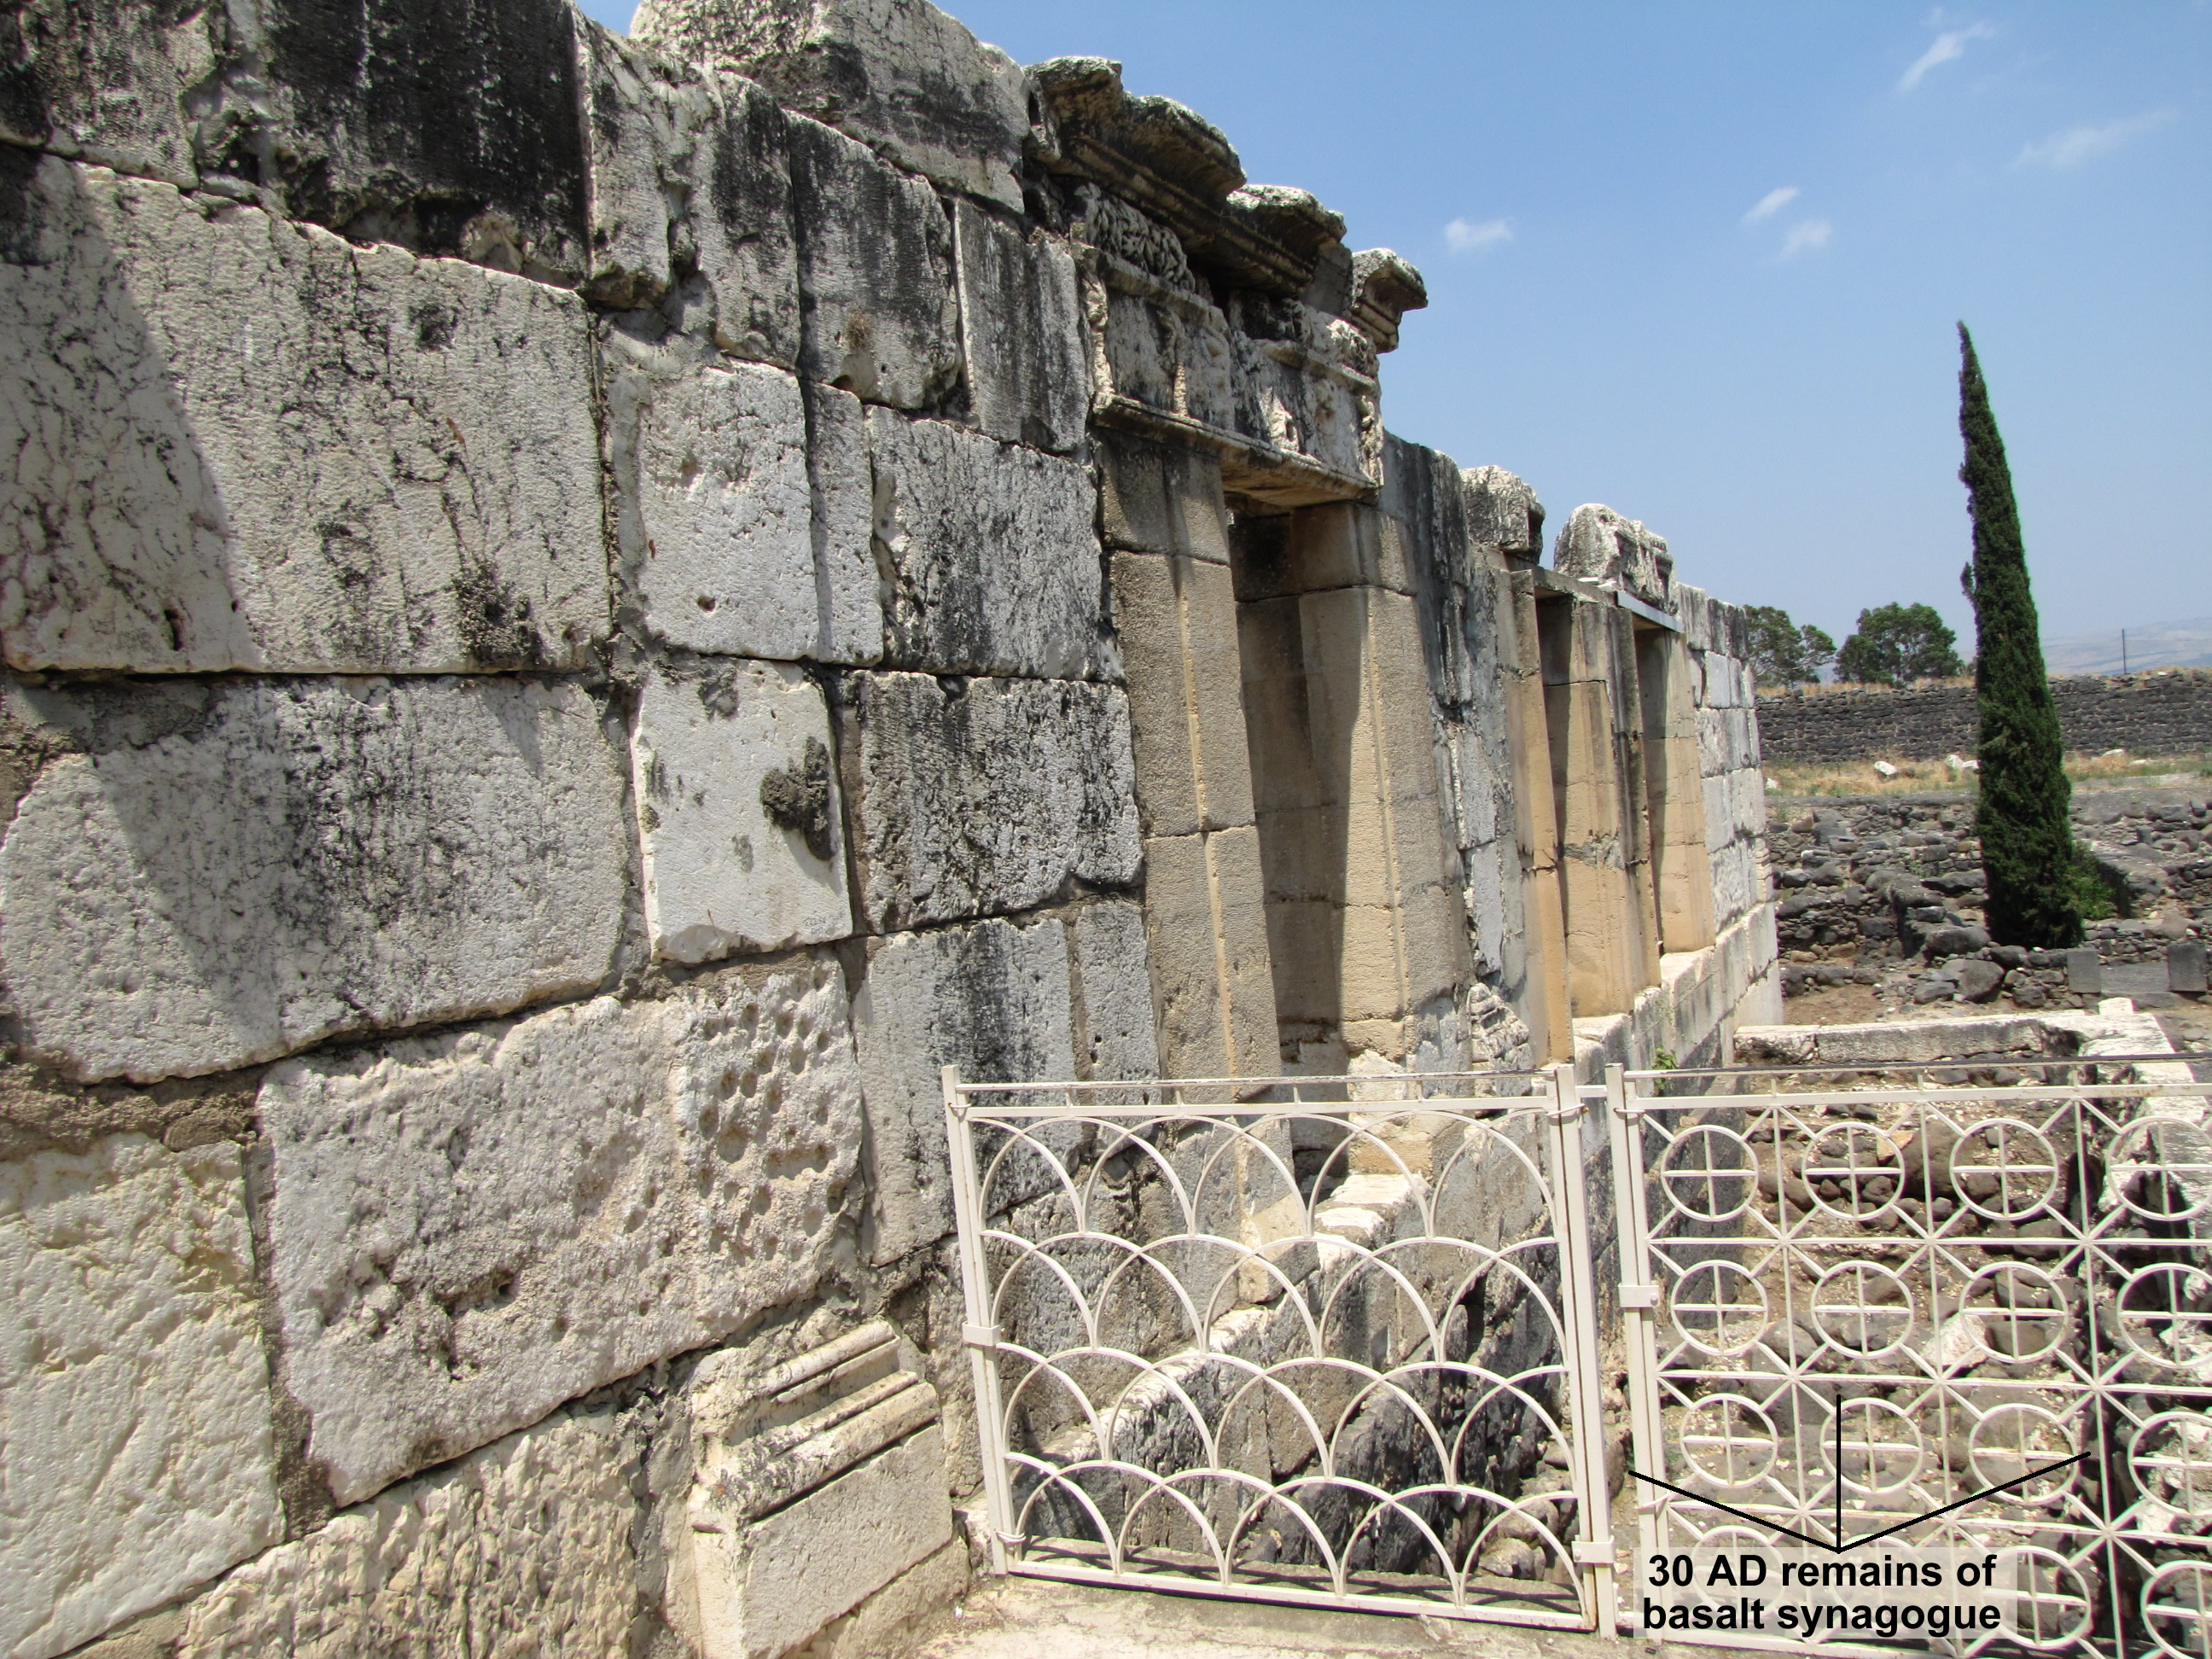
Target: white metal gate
[[1325, 1341], [1984, 1280]]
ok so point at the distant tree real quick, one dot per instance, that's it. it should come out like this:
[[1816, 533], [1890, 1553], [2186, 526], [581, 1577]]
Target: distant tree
[[1783, 653], [2027, 845], [1896, 644]]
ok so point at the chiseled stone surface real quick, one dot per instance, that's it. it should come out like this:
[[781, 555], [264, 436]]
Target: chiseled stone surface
[[137, 1459], [992, 552], [713, 511], [991, 999], [877, 311], [524, 1547], [1114, 1031], [466, 1231], [1021, 326], [230, 871], [738, 807], [852, 623], [690, 171], [900, 76], [241, 443], [767, 1588], [1599, 545], [984, 797]]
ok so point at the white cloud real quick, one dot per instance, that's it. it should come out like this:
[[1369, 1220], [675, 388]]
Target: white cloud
[[1807, 234], [1770, 204], [1949, 47], [2075, 145], [1463, 236]]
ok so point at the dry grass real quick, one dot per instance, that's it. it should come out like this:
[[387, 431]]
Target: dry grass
[[1924, 777]]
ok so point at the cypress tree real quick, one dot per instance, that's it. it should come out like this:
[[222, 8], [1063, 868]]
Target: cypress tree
[[2027, 844]]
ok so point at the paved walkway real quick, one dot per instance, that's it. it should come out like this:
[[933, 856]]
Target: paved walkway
[[1035, 1618]]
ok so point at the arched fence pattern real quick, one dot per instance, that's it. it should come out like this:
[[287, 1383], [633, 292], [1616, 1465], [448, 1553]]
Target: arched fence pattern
[[1336, 1341]]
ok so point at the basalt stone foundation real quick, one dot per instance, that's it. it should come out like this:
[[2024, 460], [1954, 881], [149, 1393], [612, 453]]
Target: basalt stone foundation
[[580, 616]]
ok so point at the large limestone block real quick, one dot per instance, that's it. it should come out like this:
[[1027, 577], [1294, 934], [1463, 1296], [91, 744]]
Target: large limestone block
[[843, 483], [737, 800], [525, 1547], [898, 74], [690, 172], [468, 1230], [992, 555], [1162, 498], [878, 314], [1599, 545], [1114, 1036], [137, 1458], [240, 443], [229, 872], [1177, 621], [1021, 328], [764, 1590], [1213, 981], [991, 999], [376, 118], [714, 508], [986, 797]]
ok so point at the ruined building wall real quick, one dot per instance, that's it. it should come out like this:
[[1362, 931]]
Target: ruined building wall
[[581, 615], [2159, 712]]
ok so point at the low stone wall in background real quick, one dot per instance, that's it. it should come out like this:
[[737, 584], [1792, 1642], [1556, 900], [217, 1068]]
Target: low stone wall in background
[[2166, 712]]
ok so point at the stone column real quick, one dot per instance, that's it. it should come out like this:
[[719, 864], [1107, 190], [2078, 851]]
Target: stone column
[[1673, 791], [1544, 1002], [1205, 921]]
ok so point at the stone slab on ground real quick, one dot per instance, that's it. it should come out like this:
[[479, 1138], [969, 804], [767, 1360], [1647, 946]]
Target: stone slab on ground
[[466, 1231], [525, 1547], [984, 798], [1038, 1618], [737, 810], [137, 1458], [229, 872], [241, 443]]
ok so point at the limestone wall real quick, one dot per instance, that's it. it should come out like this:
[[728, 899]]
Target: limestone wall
[[2165, 712], [582, 615]]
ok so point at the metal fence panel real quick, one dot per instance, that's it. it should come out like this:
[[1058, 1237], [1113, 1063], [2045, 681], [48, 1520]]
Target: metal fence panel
[[1325, 1341], [1967, 1285]]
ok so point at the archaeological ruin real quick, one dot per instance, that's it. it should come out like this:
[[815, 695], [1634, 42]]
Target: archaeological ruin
[[596, 628]]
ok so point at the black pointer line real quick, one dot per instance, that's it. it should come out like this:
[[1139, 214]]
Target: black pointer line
[[1871, 1537]]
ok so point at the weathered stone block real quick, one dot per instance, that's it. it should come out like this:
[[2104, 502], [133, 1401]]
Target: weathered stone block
[[984, 799], [1113, 999], [691, 170], [741, 827], [1162, 498], [879, 315], [1177, 621], [766, 1590], [1599, 545], [714, 510], [229, 872], [468, 1230], [898, 74], [376, 118], [524, 1546], [1021, 328], [1502, 512], [1341, 545], [138, 1457], [1205, 920], [991, 999], [241, 443], [994, 555], [852, 627]]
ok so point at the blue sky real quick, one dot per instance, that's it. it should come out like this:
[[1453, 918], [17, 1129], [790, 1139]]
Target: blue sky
[[1702, 262]]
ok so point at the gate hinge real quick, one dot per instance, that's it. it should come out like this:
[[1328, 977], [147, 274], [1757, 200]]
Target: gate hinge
[[1639, 1298], [1589, 1553], [979, 1336]]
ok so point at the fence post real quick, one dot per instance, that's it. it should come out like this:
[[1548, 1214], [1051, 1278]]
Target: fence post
[[980, 1333], [1578, 1309], [1640, 1297]]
